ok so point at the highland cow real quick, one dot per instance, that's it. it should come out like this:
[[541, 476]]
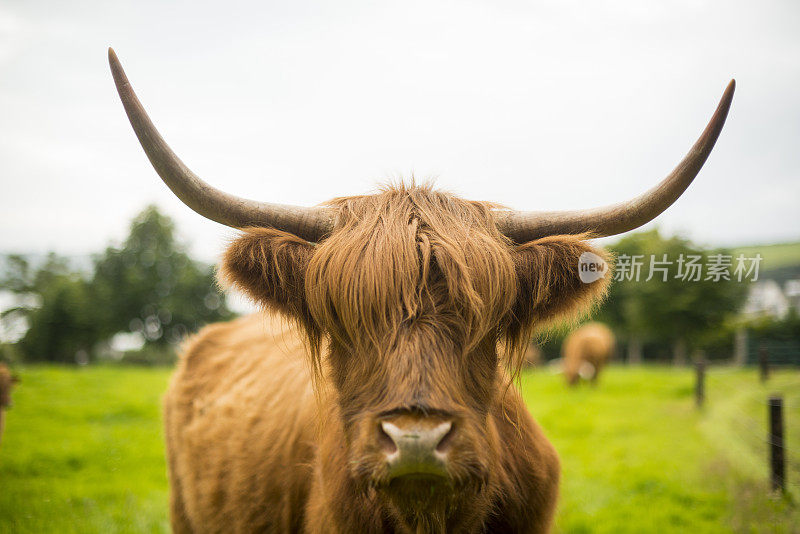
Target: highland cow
[[586, 351], [383, 404]]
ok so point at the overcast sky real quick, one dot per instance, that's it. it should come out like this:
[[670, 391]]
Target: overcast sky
[[536, 105]]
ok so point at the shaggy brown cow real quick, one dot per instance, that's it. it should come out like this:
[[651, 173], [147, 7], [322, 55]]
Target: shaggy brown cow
[[385, 408], [7, 381], [585, 352]]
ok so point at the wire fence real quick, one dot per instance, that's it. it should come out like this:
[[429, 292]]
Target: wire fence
[[746, 417]]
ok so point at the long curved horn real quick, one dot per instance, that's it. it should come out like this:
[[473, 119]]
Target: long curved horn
[[618, 218], [308, 223]]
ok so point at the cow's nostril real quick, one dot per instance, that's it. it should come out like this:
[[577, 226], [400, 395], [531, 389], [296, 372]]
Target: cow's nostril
[[385, 442], [447, 440]]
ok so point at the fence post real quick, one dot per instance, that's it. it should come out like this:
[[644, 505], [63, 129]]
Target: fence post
[[740, 347], [700, 386], [777, 459], [763, 362]]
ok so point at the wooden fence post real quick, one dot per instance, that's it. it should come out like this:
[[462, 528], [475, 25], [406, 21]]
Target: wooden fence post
[[777, 458], [700, 386], [763, 362], [740, 347]]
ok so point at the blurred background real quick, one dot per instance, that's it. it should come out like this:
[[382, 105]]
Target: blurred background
[[534, 105]]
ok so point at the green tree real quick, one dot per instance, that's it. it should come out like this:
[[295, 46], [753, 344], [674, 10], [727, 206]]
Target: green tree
[[64, 328], [148, 285], [151, 285], [668, 302], [56, 303], [17, 275]]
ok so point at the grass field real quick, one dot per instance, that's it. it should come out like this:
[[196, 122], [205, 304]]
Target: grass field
[[83, 452]]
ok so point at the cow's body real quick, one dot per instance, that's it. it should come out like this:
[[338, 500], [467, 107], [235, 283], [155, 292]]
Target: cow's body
[[252, 449], [240, 427], [586, 351]]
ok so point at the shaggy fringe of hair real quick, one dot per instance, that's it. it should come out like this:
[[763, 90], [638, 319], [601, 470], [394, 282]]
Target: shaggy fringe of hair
[[424, 256]]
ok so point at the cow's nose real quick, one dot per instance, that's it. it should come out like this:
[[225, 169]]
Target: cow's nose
[[417, 447]]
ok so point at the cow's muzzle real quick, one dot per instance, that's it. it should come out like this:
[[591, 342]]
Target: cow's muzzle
[[416, 446]]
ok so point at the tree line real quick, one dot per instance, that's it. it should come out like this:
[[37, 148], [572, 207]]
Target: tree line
[[690, 304], [669, 299], [680, 301], [148, 286]]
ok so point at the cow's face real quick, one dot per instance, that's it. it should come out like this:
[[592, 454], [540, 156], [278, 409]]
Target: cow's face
[[412, 293], [411, 289]]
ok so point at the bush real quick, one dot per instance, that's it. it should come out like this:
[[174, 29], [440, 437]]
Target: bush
[[151, 356]]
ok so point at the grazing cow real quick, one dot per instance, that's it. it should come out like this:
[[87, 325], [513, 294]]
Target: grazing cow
[[7, 381], [383, 405], [585, 352]]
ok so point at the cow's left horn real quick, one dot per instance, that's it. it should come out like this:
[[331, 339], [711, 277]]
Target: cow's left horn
[[616, 219], [308, 223]]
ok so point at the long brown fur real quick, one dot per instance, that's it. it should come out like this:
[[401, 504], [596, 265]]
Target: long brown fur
[[401, 308], [593, 344]]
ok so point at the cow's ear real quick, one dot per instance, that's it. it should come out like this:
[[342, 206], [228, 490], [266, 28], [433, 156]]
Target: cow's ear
[[550, 282], [270, 267]]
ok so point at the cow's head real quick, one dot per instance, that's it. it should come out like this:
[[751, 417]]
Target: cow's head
[[411, 292]]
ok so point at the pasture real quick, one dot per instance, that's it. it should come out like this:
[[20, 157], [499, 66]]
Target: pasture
[[83, 451]]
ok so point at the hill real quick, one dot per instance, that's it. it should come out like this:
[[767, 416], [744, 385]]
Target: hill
[[778, 256]]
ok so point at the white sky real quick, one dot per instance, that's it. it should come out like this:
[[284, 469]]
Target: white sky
[[537, 105]]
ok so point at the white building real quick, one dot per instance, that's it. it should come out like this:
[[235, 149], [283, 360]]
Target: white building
[[766, 297]]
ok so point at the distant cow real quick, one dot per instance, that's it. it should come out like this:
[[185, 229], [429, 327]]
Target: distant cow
[[586, 351], [533, 355], [7, 380], [385, 407]]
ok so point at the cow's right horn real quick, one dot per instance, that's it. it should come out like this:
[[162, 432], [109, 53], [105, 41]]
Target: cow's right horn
[[521, 226], [308, 223]]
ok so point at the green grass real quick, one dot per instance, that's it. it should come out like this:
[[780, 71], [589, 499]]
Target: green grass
[[83, 452], [637, 456]]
